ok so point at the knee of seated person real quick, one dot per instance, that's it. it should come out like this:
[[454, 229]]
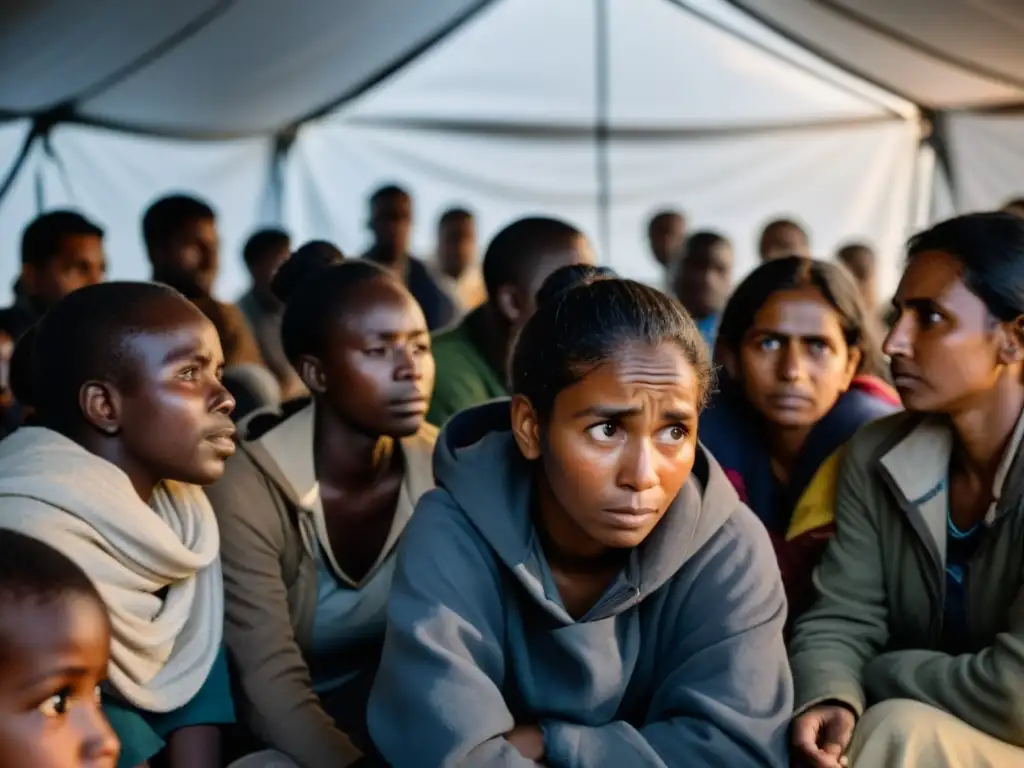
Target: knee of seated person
[[897, 719]]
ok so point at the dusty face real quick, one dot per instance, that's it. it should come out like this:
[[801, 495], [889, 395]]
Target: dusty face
[[173, 419], [54, 656], [617, 448], [794, 362], [945, 346], [666, 236], [378, 370], [80, 261]]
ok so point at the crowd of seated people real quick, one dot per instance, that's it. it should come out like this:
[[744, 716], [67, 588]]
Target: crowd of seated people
[[520, 512]]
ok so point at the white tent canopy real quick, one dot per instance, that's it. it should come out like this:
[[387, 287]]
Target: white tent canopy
[[597, 110]]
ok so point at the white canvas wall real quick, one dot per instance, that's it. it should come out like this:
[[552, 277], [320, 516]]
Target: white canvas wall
[[704, 108], [987, 159]]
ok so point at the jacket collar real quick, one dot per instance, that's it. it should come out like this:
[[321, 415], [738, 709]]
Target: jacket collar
[[918, 466], [286, 454]]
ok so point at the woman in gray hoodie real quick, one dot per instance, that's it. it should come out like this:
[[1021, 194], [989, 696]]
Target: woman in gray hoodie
[[584, 588]]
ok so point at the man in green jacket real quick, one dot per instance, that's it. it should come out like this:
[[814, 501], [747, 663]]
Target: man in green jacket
[[913, 655], [471, 357]]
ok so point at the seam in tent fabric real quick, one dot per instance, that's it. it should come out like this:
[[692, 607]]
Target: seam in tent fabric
[[43, 121], [469, 181], [937, 140], [19, 162], [538, 130], [62, 170], [176, 38], [944, 152], [70, 115], [65, 113], [394, 66], [702, 16], [978, 70], [802, 42]]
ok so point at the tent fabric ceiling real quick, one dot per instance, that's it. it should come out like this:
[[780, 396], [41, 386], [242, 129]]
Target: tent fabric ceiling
[[204, 68], [226, 67], [669, 64], [941, 54], [599, 110]]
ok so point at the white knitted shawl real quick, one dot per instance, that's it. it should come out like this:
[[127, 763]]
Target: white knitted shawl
[[164, 645]]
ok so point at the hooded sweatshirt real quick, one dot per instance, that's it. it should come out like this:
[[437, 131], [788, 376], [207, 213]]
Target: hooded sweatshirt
[[680, 663]]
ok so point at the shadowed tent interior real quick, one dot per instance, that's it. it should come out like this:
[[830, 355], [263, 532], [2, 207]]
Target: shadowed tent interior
[[865, 118]]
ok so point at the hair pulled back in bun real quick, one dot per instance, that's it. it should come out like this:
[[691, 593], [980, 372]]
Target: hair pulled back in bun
[[311, 258], [568, 277], [585, 316]]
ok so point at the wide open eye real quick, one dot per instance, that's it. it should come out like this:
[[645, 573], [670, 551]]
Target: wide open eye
[[605, 432]]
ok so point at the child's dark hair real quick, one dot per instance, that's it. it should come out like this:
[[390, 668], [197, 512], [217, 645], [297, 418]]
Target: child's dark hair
[[33, 570], [790, 273], [578, 327], [318, 292]]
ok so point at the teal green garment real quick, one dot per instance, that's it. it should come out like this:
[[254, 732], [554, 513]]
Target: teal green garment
[[144, 734], [464, 377]]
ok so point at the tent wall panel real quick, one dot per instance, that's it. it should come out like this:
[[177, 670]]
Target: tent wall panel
[[988, 159], [274, 63], [19, 204], [54, 51], [673, 62], [517, 61], [333, 168], [856, 35], [854, 183], [113, 178], [492, 104]]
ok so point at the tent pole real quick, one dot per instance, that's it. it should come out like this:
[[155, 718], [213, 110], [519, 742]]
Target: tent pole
[[272, 207], [939, 140], [601, 128], [19, 162]]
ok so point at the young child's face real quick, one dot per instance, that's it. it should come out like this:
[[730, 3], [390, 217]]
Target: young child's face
[[53, 656]]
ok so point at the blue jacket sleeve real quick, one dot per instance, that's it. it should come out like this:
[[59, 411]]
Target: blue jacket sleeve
[[725, 694], [437, 699]]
